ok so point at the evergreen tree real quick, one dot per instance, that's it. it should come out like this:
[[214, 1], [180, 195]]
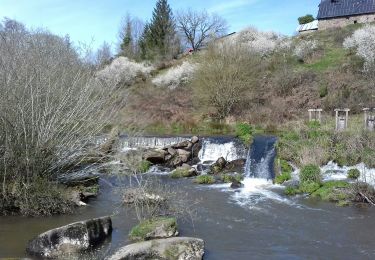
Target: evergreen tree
[[160, 37], [127, 42]]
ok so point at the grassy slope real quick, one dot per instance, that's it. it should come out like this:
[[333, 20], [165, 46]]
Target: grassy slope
[[331, 68]]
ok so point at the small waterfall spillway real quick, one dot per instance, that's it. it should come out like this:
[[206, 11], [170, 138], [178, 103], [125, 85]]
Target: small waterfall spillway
[[260, 158]]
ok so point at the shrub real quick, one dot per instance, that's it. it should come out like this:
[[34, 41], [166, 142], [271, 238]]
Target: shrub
[[177, 76], [244, 131], [310, 173], [330, 191], [306, 19], [283, 177], [323, 90], [144, 166], [205, 179], [363, 41], [305, 49], [309, 187], [51, 110], [354, 174], [124, 72], [291, 191]]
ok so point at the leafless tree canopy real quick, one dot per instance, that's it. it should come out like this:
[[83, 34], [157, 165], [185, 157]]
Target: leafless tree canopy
[[135, 27], [199, 27], [51, 105]]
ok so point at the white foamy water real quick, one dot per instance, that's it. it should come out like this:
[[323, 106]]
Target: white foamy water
[[332, 171], [212, 150], [133, 143]]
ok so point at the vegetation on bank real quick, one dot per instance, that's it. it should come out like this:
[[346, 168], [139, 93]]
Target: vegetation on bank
[[205, 179]]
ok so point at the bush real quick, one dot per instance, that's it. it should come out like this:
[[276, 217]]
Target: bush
[[291, 191], [124, 72], [244, 131], [354, 174], [283, 177], [310, 173], [144, 166], [205, 179], [323, 90], [177, 76], [309, 187], [52, 109], [363, 41], [306, 19], [304, 49]]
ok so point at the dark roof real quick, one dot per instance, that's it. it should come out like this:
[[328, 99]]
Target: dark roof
[[339, 8]]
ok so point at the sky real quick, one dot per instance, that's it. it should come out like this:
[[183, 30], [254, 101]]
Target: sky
[[94, 21]]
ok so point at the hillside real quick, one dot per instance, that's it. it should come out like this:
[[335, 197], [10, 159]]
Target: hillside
[[261, 78]]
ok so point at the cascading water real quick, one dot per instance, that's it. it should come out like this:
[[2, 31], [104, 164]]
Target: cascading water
[[226, 147], [129, 143], [260, 159]]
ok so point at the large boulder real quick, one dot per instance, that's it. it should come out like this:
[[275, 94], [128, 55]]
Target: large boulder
[[182, 145], [218, 166], [194, 139], [162, 227], [155, 156], [236, 165], [179, 248], [73, 238]]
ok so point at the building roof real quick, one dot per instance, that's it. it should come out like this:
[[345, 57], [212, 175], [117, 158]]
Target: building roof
[[341, 8], [308, 27]]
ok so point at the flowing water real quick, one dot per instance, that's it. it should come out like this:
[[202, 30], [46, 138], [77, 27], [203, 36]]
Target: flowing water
[[255, 222]]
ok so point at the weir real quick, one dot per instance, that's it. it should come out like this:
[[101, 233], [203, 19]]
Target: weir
[[260, 158], [213, 148]]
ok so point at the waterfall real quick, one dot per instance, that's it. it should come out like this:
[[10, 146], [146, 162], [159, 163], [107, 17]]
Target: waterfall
[[129, 143], [260, 158], [226, 147]]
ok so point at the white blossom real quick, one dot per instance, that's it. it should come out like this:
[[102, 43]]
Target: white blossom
[[305, 48], [176, 76], [124, 71], [363, 41]]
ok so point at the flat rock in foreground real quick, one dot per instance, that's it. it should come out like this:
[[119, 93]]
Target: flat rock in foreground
[[178, 248], [70, 239]]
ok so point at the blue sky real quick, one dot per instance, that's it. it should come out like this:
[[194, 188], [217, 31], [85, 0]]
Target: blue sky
[[95, 21]]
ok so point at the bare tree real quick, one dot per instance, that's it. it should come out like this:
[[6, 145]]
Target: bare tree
[[51, 109], [103, 55], [199, 27]]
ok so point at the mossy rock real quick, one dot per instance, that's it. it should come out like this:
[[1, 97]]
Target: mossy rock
[[161, 227], [230, 178], [354, 174], [183, 172], [144, 166], [205, 179]]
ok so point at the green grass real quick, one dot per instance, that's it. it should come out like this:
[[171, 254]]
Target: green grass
[[139, 232], [354, 174], [331, 59], [310, 173], [205, 179], [283, 177], [330, 191], [180, 173], [144, 166], [244, 131]]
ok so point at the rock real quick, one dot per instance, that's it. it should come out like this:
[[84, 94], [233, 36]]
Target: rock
[[236, 185], [218, 166], [194, 139], [163, 227], [172, 151], [196, 149], [138, 195], [179, 248], [155, 156], [236, 165], [73, 238], [291, 183], [181, 145], [185, 171]]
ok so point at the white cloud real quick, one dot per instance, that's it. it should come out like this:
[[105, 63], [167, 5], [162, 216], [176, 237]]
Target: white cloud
[[228, 6]]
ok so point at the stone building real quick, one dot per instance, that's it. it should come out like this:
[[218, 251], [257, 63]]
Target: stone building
[[339, 13]]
